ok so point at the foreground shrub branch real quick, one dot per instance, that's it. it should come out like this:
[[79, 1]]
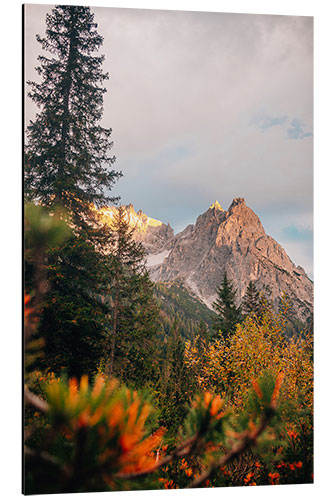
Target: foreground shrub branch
[[248, 439]]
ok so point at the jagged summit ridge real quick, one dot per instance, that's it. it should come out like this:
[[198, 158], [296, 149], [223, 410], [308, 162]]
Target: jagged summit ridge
[[153, 233], [135, 219], [235, 242], [237, 201], [216, 206], [232, 241]]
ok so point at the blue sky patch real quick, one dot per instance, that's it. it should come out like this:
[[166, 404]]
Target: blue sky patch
[[296, 131], [271, 121], [293, 127], [265, 121], [296, 234]]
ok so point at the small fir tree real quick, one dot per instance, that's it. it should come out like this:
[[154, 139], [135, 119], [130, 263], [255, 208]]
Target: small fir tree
[[229, 315], [251, 301]]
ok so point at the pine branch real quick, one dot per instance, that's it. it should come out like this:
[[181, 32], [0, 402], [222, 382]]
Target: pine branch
[[183, 449], [249, 439]]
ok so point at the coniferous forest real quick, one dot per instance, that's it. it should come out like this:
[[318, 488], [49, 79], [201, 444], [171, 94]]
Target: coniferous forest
[[130, 384]]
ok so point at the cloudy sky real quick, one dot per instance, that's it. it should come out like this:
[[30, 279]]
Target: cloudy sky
[[207, 106]]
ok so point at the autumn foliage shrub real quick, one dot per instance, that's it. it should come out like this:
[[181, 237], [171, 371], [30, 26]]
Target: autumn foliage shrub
[[229, 366]]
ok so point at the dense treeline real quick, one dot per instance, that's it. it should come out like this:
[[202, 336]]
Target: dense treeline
[[126, 382], [176, 303]]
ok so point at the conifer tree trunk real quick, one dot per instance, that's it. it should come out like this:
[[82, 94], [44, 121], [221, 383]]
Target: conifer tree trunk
[[65, 126], [110, 368]]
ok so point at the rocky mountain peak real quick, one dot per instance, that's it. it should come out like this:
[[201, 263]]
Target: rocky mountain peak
[[235, 242], [211, 218], [237, 201], [216, 206], [240, 224]]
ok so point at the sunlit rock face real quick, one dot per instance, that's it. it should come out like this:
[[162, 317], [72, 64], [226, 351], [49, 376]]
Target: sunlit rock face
[[232, 241], [153, 233]]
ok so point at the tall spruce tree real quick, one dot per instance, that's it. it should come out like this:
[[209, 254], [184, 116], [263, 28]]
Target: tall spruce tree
[[225, 306], [66, 155], [67, 165]]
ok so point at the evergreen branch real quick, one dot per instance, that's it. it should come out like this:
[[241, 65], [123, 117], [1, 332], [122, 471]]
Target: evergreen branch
[[178, 452], [249, 438]]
